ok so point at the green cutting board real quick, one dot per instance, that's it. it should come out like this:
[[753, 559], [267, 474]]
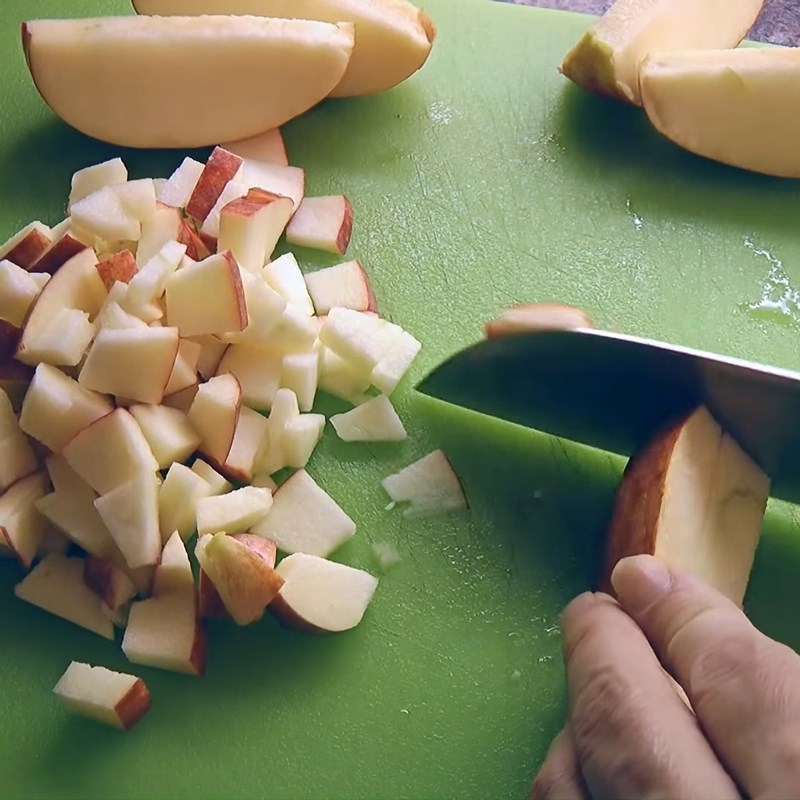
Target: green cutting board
[[486, 179]]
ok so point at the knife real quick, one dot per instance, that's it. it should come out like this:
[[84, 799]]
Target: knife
[[614, 392]]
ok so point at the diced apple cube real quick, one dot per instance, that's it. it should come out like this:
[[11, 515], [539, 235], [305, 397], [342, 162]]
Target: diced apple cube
[[111, 583], [429, 485], [357, 337], [164, 226], [120, 267], [340, 378], [322, 223], [257, 369], [168, 432], [91, 179], [296, 332], [394, 364], [248, 442], [372, 421], [174, 572], [265, 308], [17, 459], [138, 198], [234, 512], [342, 286], [18, 290], [63, 341], [218, 483], [300, 373], [180, 185], [102, 214], [209, 230], [276, 179], [21, 525], [215, 413], [177, 501], [300, 438], [285, 277], [148, 284], [25, 247], [184, 371]]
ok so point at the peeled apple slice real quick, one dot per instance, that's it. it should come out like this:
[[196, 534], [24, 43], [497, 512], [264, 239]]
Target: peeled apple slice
[[607, 59], [734, 106], [393, 37], [118, 78]]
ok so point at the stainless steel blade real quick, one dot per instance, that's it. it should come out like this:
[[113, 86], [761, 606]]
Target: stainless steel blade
[[613, 391]]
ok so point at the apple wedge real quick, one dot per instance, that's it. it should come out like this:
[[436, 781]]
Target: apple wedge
[[394, 37], [322, 223], [110, 452], [22, 527], [248, 441], [305, 61], [56, 408], [372, 421], [215, 413], [692, 498], [165, 632], [266, 147], [27, 245], [62, 250], [608, 57], [18, 290], [112, 698], [56, 585], [429, 485], [207, 297], [305, 519], [117, 267], [241, 569], [168, 432], [177, 501], [95, 177], [285, 277], [322, 596], [221, 168], [174, 572], [17, 459], [111, 584], [714, 103], [234, 512]]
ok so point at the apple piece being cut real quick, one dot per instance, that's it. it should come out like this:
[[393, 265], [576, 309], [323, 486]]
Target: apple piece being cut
[[372, 421], [168, 432], [608, 57], [95, 177], [300, 373], [21, 525], [177, 501], [112, 698], [692, 498], [56, 408], [322, 223], [340, 378], [174, 572], [714, 103], [360, 338], [257, 371], [285, 277], [301, 435], [250, 228], [56, 585], [111, 584], [241, 569], [27, 245], [184, 371], [207, 298], [234, 512], [429, 485], [17, 459], [135, 363], [305, 61], [18, 290], [117, 267], [220, 168], [322, 596], [110, 452], [248, 442], [164, 632], [342, 286], [63, 340], [103, 215], [268, 147], [130, 512], [393, 365], [394, 37], [215, 413], [261, 178], [304, 519], [527, 317]]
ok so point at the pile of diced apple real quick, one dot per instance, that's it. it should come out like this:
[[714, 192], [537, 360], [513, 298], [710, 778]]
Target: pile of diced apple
[[158, 369]]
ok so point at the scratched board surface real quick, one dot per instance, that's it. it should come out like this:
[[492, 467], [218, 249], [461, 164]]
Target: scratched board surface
[[483, 181]]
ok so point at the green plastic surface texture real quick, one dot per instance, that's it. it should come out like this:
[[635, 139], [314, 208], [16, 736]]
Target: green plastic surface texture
[[486, 179]]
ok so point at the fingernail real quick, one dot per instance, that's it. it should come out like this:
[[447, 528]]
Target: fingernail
[[640, 581], [577, 606]]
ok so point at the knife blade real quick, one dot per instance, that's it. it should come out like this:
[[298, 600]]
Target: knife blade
[[614, 391]]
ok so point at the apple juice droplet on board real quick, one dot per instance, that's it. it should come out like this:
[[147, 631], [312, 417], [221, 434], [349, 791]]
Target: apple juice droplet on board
[[780, 300]]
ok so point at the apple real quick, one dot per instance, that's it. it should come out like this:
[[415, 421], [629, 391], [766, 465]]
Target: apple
[[429, 485], [111, 584], [58, 253], [372, 421], [339, 377], [18, 290], [63, 339], [148, 284], [250, 228], [322, 596], [15, 378], [209, 603], [248, 441], [184, 371], [394, 36], [52, 541], [304, 519], [300, 373], [168, 432], [164, 226], [211, 352], [608, 57], [174, 572], [714, 104], [266, 147], [215, 414], [285, 277], [21, 525], [110, 452], [56, 585], [301, 435], [234, 512], [257, 370], [361, 339], [220, 168], [695, 500], [177, 501], [342, 286], [130, 512], [527, 317], [117, 267], [103, 215], [393, 365], [138, 198], [260, 177], [112, 698], [95, 177], [284, 408], [27, 245], [207, 298], [218, 483], [181, 184], [17, 458], [196, 248], [209, 230], [183, 399], [56, 408], [135, 363], [265, 309], [9, 340], [241, 569], [112, 315], [295, 332], [322, 223], [165, 632]]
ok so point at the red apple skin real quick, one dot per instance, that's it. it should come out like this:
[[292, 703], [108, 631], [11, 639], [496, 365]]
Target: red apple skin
[[199, 655], [117, 267], [210, 605], [265, 548], [9, 340], [196, 248], [103, 578], [372, 302], [28, 250], [56, 256], [236, 280], [209, 241], [346, 229], [134, 705], [539, 317], [220, 168]]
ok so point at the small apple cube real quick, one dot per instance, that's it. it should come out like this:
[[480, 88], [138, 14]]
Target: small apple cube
[[112, 698], [174, 572], [218, 483], [103, 215], [181, 184], [372, 421], [358, 337], [164, 226], [119, 266], [178, 496], [25, 247], [209, 230], [63, 340], [18, 290], [268, 147], [285, 277], [215, 414], [340, 378], [110, 583], [322, 223], [148, 284], [17, 459], [91, 179], [168, 432], [284, 408], [234, 512], [295, 332], [429, 485], [300, 373], [257, 371], [184, 371], [21, 525], [305, 519], [221, 168], [211, 352], [62, 250], [138, 198], [248, 441], [301, 435], [393, 365], [259, 176], [265, 308], [343, 286]]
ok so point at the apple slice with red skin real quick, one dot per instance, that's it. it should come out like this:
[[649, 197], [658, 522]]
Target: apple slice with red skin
[[215, 414], [119, 266], [21, 526], [173, 572], [27, 245], [110, 583], [17, 458], [322, 223], [343, 286], [220, 168], [268, 147], [58, 253]]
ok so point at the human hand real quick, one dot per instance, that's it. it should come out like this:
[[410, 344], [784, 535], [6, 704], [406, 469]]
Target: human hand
[[631, 733]]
